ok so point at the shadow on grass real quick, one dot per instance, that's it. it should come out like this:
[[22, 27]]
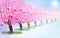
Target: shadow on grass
[[15, 32]]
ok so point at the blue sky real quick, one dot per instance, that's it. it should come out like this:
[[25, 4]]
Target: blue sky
[[46, 4]]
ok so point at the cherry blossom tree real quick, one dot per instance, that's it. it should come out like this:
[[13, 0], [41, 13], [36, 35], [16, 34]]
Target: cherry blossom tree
[[17, 11]]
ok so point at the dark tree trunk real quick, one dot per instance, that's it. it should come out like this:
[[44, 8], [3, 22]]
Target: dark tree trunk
[[20, 25], [10, 28], [35, 23], [46, 21], [55, 19], [10, 25], [28, 25], [41, 22]]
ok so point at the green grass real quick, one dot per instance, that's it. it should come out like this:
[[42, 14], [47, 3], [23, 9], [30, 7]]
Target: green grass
[[19, 31], [15, 32], [33, 27], [25, 29]]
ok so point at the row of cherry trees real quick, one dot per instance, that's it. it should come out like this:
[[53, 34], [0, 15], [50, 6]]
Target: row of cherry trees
[[13, 11]]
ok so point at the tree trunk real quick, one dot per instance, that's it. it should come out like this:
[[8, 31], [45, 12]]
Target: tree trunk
[[20, 25], [41, 22], [55, 19], [46, 21], [28, 25], [35, 23], [10, 26], [51, 20]]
